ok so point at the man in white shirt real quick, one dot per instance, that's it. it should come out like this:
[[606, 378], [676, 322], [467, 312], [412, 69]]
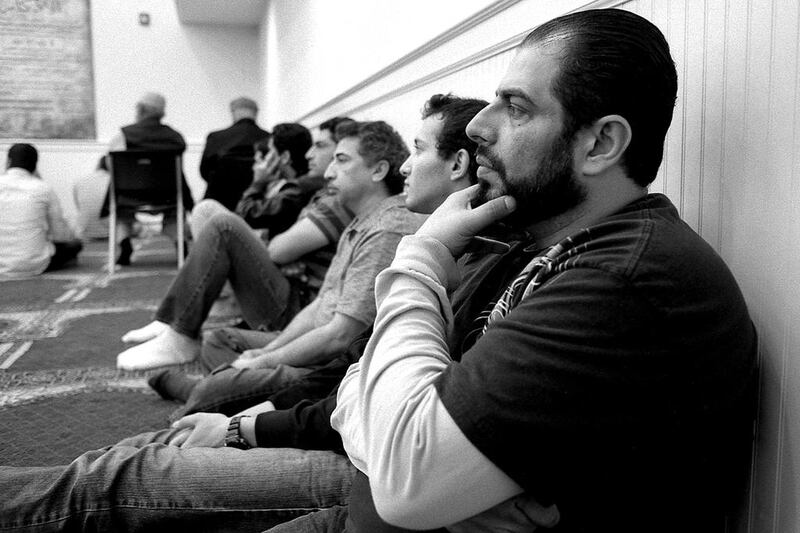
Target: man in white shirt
[[34, 236]]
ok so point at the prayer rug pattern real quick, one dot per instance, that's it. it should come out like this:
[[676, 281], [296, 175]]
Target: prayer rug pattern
[[60, 391]]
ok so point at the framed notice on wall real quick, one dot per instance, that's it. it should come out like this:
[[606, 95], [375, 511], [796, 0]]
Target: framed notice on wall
[[46, 81]]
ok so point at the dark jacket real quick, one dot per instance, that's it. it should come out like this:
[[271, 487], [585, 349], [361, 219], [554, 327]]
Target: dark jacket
[[226, 164], [151, 134]]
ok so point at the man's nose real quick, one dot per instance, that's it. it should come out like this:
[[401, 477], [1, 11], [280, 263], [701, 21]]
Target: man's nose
[[330, 173], [478, 129], [405, 168]]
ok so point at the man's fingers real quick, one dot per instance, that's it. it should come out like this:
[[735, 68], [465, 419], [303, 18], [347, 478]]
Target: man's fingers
[[180, 438], [188, 421]]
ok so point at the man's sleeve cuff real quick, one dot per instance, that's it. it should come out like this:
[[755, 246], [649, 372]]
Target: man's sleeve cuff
[[275, 429], [427, 256]]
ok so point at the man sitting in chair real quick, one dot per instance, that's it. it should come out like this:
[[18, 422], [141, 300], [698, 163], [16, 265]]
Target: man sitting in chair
[[147, 133]]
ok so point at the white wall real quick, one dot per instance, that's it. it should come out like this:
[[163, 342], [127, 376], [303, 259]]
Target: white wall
[[199, 69], [732, 160], [317, 48]]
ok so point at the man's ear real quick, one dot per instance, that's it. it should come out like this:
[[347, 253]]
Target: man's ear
[[460, 168], [285, 157], [380, 170], [602, 145]]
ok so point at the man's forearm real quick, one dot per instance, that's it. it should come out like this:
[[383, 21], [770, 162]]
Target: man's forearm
[[422, 458], [314, 347], [302, 323], [306, 425]]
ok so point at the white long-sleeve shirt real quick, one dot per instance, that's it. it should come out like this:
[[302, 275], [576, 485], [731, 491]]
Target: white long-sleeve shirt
[[30, 221], [424, 472]]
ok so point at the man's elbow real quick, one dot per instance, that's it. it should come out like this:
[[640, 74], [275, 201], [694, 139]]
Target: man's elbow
[[342, 334], [279, 254]]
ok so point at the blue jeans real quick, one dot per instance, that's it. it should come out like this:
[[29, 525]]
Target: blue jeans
[[227, 249], [144, 484]]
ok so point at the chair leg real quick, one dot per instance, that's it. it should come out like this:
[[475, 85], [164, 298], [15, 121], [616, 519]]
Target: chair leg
[[112, 241], [181, 217]]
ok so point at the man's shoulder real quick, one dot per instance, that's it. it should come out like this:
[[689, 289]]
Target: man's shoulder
[[216, 134], [647, 230], [392, 215], [24, 182], [651, 250], [169, 128]]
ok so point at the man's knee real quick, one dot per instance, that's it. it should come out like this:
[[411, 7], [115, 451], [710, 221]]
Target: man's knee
[[206, 209]]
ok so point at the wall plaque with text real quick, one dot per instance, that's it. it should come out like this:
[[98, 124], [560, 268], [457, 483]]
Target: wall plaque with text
[[46, 81]]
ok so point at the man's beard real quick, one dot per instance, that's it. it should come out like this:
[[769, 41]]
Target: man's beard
[[552, 190]]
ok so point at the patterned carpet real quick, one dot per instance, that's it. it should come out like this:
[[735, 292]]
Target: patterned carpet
[[60, 392]]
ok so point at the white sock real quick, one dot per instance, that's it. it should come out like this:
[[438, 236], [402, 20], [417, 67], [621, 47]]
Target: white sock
[[150, 331], [168, 348]]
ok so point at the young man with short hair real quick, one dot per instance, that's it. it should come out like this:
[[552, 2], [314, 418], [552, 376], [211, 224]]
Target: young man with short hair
[[273, 197]]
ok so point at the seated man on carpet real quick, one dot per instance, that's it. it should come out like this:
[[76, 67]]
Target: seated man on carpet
[[34, 237], [226, 249], [274, 198], [440, 164], [194, 475]]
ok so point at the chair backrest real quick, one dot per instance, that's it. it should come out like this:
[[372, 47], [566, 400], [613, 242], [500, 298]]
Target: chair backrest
[[144, 178], [232, 175]]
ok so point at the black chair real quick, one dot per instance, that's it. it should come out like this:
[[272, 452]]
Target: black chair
[[144, 182], [232, 175]]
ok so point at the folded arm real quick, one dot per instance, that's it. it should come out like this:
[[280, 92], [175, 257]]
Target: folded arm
[[314, 346]]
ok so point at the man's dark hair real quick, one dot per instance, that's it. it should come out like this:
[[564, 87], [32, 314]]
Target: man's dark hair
[[23, 156], [615, 62], [332, 123], [456, 112], [378, 141], [262, 145], [297, 139]]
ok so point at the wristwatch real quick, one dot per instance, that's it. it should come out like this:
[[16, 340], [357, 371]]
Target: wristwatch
[[233, 437]]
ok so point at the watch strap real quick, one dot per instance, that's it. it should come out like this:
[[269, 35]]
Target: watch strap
[[233, 437]]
